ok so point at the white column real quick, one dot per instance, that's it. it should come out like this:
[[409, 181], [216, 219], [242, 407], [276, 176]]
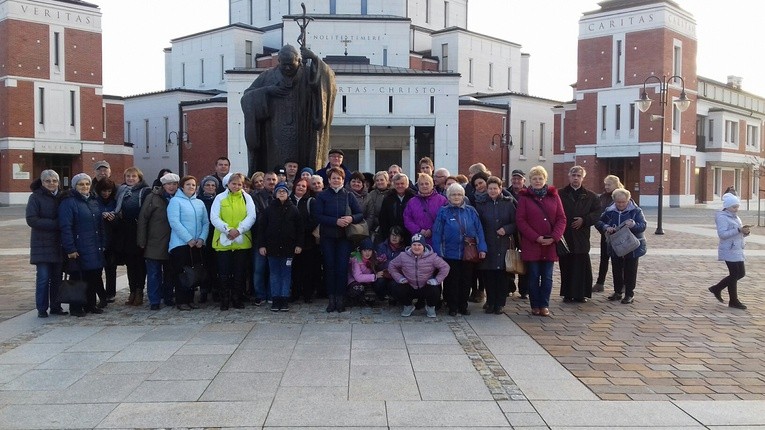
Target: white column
[[412, 166], [367, 149]]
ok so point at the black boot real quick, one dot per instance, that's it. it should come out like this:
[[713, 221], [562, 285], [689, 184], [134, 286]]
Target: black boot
[[717, 291], [733, 298], [225, 294], [340, 303], [331, 305]]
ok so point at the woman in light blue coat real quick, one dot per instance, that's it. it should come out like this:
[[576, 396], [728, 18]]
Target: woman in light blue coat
[[731, 232], [189, 225]]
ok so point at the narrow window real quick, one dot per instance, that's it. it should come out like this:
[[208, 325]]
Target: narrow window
[[618, 61], [678, 60], [363, 7], [42, 105], [675, 118], [345, 104], [711, 130], [603, 111], [202, 69], [56, 48], [103, 120], [491, 75], [432, 104], [385, 56], [632, 116], [269, 10], [618, 117], [222, 67], [248, 54], [522, 146], [427, 11], [127, 131], [183, 74], [541, 139], [509, 78], [249, 10], [185, 124], [390, 104], [332, 7], [446, 14], [72, 108], [166, 121], [470, 70], [146, 133], [444, 57]]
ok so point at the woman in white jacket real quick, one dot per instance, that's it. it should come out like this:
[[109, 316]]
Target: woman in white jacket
[[731, 232], [233, 215]]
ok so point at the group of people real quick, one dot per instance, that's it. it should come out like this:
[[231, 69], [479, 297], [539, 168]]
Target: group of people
[[284, 235]]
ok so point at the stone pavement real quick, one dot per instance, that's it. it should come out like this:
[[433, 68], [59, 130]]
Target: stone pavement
[[676, 358]]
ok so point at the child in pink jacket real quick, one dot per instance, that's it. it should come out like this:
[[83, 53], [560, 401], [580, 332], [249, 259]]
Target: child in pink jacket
[[362, 274]]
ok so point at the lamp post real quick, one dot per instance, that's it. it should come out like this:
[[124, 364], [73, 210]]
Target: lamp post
[[644, 103], [505, 141]]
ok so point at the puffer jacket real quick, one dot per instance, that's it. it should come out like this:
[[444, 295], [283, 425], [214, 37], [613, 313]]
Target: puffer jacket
[[612, 217], [232, 211], [421, 211], [188, 219], [417, 271], [452, 224], [154, 227], [280, 229], [732, 241], [82, 231], [359, 270], [532, 222], [496, 214], [42, 216]]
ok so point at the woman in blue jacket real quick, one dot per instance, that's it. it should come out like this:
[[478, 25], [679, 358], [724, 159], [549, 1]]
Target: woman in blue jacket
[[45, 242], [454, 222], [82, 237], [330, 210], [731, 232], [624, 211], [189, 225]]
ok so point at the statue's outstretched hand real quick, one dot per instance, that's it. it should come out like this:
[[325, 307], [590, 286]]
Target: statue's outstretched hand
[[307, 54]]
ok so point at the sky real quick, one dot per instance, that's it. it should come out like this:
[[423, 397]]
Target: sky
[[135, 33]]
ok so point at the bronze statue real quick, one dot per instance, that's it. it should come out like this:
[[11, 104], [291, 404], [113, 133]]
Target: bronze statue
[[288, 110]]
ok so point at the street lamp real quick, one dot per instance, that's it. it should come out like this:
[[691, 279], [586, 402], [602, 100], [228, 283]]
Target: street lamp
[[505, 141], [644, 103], [184, 137]]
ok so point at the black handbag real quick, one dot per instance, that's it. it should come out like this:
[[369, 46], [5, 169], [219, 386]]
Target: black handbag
[[193, 275], [74, 292]]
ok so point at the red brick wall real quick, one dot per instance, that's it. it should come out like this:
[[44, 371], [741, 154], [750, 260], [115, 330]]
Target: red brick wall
[[20, 109], [585, 121], [82, 53], [91, 115], [208, 134], [8, 158], [476, 131], [115, 123], [20, 52], [594, 63], [4, 110]]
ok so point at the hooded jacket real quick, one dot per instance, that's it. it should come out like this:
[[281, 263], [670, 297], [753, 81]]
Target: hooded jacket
[[232, 211], [42, 216], [452, 224], [417, 271], [154, 227], [188, 219], [532, 222], [732, 241], [421, 211], [82, 231]]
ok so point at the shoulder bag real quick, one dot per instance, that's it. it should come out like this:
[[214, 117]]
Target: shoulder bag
[[470, 245], [623, 241], [355, 232], [74, 292]]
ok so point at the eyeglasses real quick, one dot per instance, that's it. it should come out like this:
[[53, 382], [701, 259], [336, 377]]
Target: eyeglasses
[[335, 156], [51, 181]]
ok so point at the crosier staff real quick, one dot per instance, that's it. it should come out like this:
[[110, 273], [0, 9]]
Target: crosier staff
[[302, 22]]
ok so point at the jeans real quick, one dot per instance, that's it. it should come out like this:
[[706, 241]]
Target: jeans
[[336, 252], [280, 276], [625, 275], [158, 281], [260, 276], [47, 283], [539, 275]]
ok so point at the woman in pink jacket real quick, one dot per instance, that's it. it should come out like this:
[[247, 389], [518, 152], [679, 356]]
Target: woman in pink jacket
[[541, 221], [421, 210], [418, 273]]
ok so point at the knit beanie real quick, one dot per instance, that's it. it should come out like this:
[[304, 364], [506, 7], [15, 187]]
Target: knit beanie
[[210, 178], [281, 186], [418, 238], [730, 200], [366, 243], [307, 169], [80, 176]]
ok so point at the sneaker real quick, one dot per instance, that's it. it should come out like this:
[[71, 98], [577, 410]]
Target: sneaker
[[285, 307], [407, 311], [257, 302], [627, 300], [614, 297], [155, 307], [42, 314], [431, 311], [274, 307]]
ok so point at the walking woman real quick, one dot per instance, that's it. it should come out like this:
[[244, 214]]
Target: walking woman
[[233, 215], [189, 225], [82, 238], [541, 221], [497, 214], [330, 210], [732, 235], [624, 211], [45, 242], [610, 183], [454, 223]]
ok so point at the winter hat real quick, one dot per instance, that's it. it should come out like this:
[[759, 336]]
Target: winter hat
[[281, 186], [226, 179], [366, 243], [307, 169], [169, 178], [418, 238], [730, 200], [210, 178], [80, 176]]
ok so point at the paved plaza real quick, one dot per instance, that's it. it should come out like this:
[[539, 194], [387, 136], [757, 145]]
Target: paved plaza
[[674, 359]]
